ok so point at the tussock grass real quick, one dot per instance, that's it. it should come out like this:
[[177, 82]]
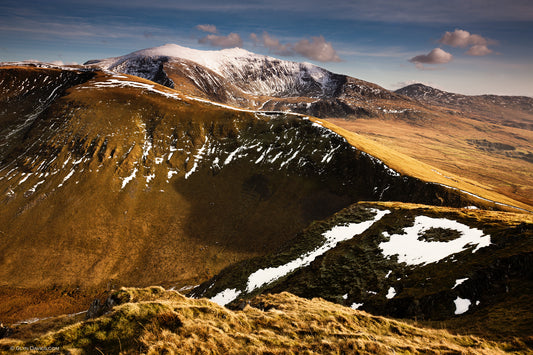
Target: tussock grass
[[155, 321]]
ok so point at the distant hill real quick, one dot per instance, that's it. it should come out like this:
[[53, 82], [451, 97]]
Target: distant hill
[[513, 111]]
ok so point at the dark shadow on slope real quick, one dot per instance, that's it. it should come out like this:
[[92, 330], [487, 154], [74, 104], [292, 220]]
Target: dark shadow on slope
[[254, 207]]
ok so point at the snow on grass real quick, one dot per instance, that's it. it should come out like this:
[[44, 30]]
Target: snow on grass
[[413, 251], [66, 178], [458, 282], [26, 176], [32, 190], [224, 297], [134, 84], [334, 236], [170, 173], [127, 179], [391, 293], [233, 154], [197, 158], [461, 305]]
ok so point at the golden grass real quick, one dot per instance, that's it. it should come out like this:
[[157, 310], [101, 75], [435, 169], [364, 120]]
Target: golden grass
[[155, 321], [408, 165], [509, 218], [441, 144]]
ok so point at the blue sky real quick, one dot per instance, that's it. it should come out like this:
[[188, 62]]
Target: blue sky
[[488, 48]]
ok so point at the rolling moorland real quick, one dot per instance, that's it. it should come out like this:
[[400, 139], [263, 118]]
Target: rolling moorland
[[164, 169]]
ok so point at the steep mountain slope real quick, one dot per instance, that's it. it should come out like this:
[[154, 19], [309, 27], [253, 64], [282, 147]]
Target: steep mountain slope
[[121, 181], [154, 321], [404, 261]]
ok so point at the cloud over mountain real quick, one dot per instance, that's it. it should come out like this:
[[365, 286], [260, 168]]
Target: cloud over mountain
[[316, 49], [436, 56], [207, 28], [462, 39], [230, 41]]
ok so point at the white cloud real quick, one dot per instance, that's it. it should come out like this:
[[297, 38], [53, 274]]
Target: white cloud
[[230, 41], [479, 50], [272, 44], [436, 56], [207, 28], [316, 49], [462, 39]]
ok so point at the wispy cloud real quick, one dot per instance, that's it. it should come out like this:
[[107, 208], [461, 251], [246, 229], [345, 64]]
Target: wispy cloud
[[75, 27], [462, 39], [230, 41], [315, 48], [207, 28], [436, 56], [405, 11]]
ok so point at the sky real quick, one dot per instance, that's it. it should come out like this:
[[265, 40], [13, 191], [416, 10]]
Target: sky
[[464, 46]]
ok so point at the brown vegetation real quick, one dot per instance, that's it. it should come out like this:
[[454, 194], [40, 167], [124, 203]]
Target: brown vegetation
[[154, 321]]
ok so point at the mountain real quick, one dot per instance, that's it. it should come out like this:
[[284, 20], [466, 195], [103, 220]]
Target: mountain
[[420, 129], [512, 111], [109, 179], [131, 183], [249, 80]]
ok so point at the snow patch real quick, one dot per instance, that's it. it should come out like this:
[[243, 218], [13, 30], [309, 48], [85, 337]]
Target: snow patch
[[334, 236], [197, 159], [458, 282], [356, 305], [413, 251], [127, 179], [391, 293], [461, 305], [224, 297]]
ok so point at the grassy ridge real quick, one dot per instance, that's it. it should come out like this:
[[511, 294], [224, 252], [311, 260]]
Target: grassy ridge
[[155, 321]]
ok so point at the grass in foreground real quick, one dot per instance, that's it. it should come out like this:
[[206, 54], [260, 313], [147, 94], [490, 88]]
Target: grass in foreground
[[155, 321]]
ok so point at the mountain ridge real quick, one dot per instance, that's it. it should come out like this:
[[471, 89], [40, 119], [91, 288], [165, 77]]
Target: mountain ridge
[[114, 180]]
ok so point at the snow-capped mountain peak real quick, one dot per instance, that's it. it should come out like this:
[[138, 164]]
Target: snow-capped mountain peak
[[252, 73]]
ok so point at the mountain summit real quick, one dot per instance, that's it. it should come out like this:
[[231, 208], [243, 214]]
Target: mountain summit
[[239, 77]]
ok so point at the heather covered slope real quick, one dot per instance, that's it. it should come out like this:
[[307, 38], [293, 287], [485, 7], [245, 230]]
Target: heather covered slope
[[154, 321]]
